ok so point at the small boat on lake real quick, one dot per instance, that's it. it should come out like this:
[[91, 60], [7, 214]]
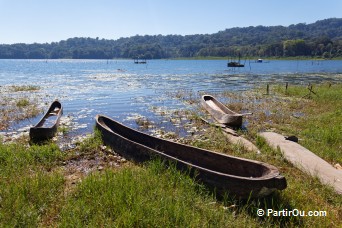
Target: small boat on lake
[[46, 128], [235, 63], [220, 112], [241, 177], [140, 61]]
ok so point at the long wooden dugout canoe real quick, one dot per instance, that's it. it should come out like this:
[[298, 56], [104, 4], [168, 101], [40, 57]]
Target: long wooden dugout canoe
[[220, 112], [46, 128], [237, 176]]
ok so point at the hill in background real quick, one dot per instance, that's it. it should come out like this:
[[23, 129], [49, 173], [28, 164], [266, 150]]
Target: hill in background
[[322, 39]]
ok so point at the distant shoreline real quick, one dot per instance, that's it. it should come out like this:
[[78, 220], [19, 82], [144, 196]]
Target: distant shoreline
[[255, 58], [193, 58]]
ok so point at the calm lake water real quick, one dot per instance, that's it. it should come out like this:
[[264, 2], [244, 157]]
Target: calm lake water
[[124, 90]]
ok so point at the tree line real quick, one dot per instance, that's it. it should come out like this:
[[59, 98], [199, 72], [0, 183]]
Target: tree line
[[322, 39]]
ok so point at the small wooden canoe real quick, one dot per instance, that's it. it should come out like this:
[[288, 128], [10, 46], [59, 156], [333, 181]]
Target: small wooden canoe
[[241, 177], [220, 112], [46, 128]]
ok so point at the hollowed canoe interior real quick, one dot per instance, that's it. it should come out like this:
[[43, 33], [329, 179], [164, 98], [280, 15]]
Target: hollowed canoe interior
[[213, 161]]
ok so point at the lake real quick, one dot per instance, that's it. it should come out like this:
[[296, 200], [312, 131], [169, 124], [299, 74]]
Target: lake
[[124, 90]]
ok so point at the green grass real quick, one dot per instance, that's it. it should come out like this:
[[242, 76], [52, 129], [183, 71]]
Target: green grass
[[320, 129], [63, 129], [27, 188], [91, 144], [25, 88], [23, 102], [25, 199], [314, 118], [303, 192], [145, 197]]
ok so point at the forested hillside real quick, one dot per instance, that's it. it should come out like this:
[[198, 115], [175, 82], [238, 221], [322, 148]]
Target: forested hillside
[[320, 39]]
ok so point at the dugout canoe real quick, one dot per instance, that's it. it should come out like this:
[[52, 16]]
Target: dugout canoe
[[46, 128], [220, 112], [241, 177]]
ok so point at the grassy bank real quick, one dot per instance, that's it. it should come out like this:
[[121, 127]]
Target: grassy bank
[[92, 186], [320, 128], [28, 188], [315, 117], [35, 191]]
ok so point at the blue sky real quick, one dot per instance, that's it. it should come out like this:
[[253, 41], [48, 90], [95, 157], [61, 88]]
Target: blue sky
[[41, 21]]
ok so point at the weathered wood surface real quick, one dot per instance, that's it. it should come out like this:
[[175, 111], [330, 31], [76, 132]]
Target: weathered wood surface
[[46, 128], [241, 177], [305, 160], [221, 113]]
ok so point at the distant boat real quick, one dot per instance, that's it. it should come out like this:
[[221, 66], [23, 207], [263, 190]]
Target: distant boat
[[140, 61], [241, 177], [262, 61], [46, 128], [235, 64]]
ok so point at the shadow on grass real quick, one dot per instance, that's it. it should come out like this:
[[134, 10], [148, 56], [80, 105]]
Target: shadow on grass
[[274, 209]]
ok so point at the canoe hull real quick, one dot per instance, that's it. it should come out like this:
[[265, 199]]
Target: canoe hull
[[40, 132], [220, 112], [208, 167]]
